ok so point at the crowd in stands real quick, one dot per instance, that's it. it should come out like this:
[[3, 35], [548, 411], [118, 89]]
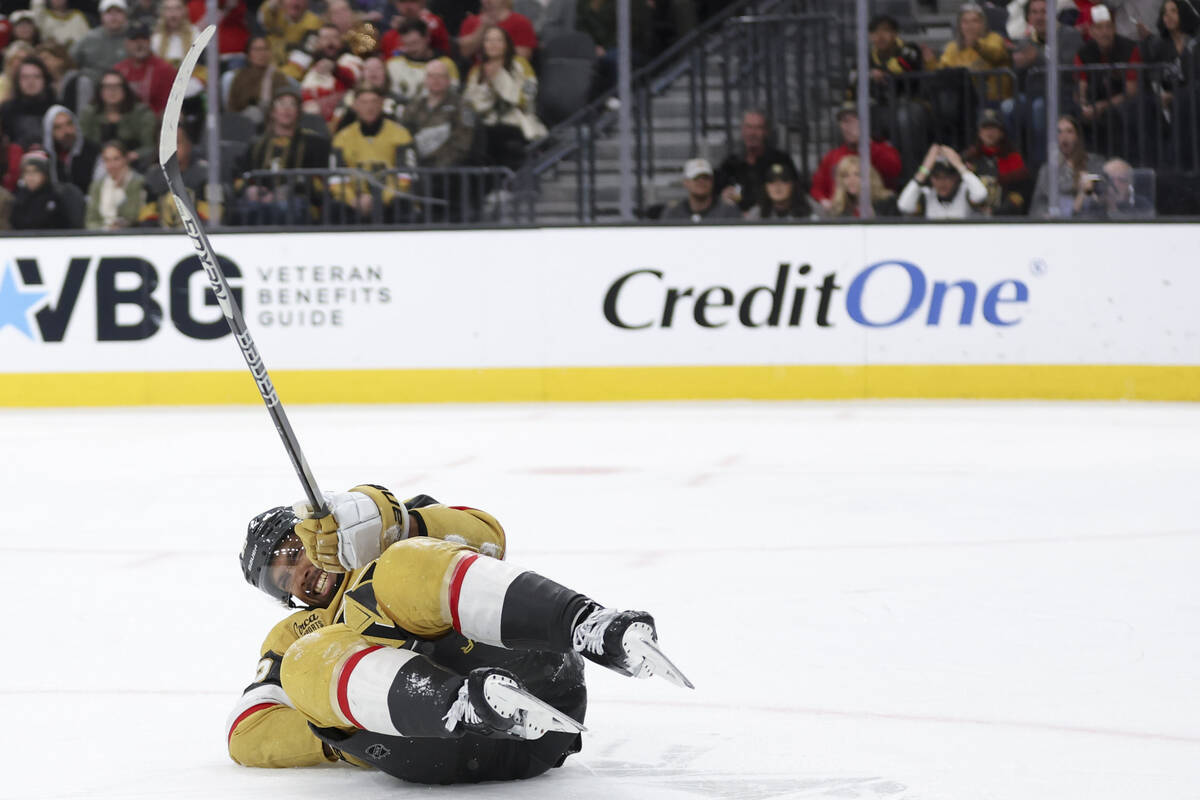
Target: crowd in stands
[[337, 111], [962, 133], [328, 107]]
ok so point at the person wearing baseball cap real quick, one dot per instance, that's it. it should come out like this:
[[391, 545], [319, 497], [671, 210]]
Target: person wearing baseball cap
[[944, 185], [103, 46], [781, 196], [148, 75], [999, 165], [38, 204], [885, 159], [702, 202], [1106, 97]]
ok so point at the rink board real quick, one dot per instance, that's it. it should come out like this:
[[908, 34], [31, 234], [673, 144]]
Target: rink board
[[987, 311]]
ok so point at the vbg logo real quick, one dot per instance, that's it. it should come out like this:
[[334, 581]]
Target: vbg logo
[[882, 295], [118, 281]]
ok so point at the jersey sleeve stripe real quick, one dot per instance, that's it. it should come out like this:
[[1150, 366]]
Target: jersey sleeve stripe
[[255, 699]]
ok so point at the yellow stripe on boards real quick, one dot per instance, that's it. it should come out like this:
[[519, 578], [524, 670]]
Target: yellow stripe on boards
[[557, 384]]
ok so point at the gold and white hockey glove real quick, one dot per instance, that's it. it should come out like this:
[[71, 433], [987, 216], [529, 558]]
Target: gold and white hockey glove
[[362, 523]]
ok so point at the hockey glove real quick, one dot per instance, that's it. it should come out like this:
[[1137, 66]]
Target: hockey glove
[[362, 523]]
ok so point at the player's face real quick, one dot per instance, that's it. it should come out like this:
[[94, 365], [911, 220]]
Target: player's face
[[290, 570]]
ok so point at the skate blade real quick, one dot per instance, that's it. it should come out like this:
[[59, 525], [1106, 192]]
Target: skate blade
[[536, 715], [654, 662]]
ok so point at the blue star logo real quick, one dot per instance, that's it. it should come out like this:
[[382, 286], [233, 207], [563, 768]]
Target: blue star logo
[[15, 302]]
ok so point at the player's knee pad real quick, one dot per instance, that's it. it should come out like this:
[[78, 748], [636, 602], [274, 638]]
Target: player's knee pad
[[310, 668], [411, 581]]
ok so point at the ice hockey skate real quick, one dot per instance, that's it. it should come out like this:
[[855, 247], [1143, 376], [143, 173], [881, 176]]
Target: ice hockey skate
[[625, 642], [493, 701]]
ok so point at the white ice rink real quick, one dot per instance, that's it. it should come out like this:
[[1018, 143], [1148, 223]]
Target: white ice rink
[[875, 600]]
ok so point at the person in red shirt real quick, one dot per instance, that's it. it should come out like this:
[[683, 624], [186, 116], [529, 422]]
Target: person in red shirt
[[498, 13], [149, 76], [391, 44], [998, 164], [884, 158], [233, 34]]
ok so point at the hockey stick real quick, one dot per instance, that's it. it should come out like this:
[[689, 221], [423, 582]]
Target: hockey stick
[[169, 161]]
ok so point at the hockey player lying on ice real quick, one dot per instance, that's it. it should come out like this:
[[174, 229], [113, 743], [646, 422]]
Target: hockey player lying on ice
[[417, 650]]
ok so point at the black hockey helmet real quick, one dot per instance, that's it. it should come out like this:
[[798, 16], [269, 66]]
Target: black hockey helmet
[[263, 535]]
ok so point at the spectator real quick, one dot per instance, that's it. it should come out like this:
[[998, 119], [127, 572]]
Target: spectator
[[1105, 96], [702, 202], [117, 114], [104, 46], [21, 116], [73, 158], [284, 145], [1075, 162], [375, 144], [1121, 201], [496, 13], [60, 23], [975, 48], [255, 84], [998, 164], [375, 75], [1175, 48], [392, 42], [115, 201], [173, 32], [502, 90], [147, 74], [407, 69], [340, 15], [944, 186], [159, 210], [905, 119], [38, 205], [24, 28], [14, 56], [233, 34], [740, 176], [780, 196], [1026, 110], [884, 158], [72, 88], [288, 25], [143, 11], [10, 163], [442, 125], [598, 19], [847, 185]]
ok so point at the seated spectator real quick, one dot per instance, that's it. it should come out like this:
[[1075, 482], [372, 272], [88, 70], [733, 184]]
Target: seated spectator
[[998, 164], [21, 116], [496, 13], [38, 206], [173, 32], [73, 158], [288, 24], [340, 15], [104, 46], [61, 23], [374, 74], [284, 145], [392, 42], [781, 196], [848, 184], [884, 158], [72, 88], [148, 75], [1026, 110], [336, 70], [502, 90], [160, 210], [233, 33], [943, 187], [598, 19], [1121, 201], [255, 84], [116, 113], [24, 28], [407, 69], [1075, 162], [115, 201], [1105, 96], [741, 175], [1175, 48], [976, 48], [374, 144], [440, 122], [702, 202], [14, 56]]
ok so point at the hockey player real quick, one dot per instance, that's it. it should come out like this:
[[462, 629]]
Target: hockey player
[[417, 650]]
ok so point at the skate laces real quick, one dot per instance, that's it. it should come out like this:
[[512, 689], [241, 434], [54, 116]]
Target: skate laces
[[461, 711], [589, 634]]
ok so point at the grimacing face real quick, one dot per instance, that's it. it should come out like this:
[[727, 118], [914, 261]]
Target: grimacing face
[[291, 570]]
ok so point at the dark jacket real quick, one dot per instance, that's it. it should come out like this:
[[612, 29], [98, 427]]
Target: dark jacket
[[38, 211]]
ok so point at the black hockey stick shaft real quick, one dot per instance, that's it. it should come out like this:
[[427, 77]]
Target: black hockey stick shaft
[[169, 161]]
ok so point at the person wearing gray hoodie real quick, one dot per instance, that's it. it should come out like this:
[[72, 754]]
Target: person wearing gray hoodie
[[103, 46], [73, 158]]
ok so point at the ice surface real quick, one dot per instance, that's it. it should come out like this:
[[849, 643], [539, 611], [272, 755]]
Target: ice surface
[[875, 600]]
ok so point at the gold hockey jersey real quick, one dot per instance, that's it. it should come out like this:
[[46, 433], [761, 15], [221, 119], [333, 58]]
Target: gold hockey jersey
[[264, 729]]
